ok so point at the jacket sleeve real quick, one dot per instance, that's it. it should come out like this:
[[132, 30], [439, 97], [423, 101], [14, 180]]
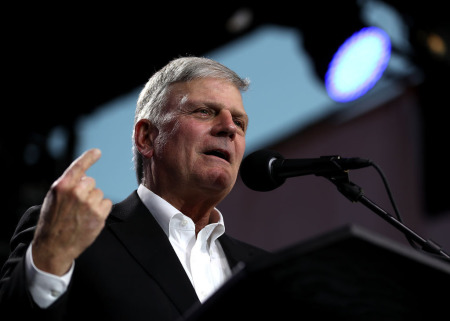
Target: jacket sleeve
[[15, 299]]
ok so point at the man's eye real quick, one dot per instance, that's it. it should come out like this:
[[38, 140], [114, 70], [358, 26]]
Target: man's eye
[[239, 123], [203, 111]]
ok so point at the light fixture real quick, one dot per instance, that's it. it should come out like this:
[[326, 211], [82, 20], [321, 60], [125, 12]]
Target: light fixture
[[358, 64]]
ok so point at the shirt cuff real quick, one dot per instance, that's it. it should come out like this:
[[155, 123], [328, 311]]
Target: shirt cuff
[[45, 288]]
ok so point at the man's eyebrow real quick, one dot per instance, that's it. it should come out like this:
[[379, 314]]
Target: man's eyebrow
[[186, 101], [242, 115]]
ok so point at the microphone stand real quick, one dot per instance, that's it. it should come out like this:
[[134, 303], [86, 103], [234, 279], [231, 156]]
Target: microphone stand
[[354, 193]]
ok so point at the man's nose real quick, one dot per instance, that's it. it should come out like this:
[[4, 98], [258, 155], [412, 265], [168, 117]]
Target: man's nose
[[225, 125]]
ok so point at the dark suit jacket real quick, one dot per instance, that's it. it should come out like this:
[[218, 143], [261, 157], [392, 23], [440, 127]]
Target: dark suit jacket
[[130, 272]]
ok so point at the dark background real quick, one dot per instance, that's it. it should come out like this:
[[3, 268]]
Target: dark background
[[63, 61]]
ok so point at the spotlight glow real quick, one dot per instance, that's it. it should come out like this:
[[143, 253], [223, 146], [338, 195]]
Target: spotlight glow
[[358, 64]]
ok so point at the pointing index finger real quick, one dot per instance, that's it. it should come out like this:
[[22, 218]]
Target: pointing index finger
[[79, 166]]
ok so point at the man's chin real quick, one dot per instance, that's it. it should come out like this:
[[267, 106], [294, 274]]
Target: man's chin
[[220, 181]]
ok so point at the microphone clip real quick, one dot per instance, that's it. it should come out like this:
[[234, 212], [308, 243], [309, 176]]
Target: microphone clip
[[349, 189]]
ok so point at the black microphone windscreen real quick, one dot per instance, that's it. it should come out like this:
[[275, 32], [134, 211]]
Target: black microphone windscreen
[[256, 171]]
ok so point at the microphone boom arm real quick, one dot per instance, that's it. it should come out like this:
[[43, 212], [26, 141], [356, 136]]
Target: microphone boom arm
[[355, 194]]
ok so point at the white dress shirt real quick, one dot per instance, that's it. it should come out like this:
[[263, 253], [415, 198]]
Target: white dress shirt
[[202, 257]]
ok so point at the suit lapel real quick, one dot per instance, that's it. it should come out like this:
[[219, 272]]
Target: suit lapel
[[148, 244], [237, 251]]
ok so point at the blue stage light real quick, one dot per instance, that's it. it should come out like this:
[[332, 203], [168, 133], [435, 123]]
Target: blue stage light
[[358, 64]]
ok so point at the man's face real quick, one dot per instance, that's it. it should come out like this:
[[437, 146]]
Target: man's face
[[201, 146]]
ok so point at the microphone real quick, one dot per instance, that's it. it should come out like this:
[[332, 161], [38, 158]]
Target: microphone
[[265, 170]]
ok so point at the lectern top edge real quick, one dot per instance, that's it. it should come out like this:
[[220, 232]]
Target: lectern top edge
[[355, 231]]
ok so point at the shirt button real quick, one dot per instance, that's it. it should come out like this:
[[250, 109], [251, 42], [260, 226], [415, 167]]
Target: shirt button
[[184, 223], [55, 293]]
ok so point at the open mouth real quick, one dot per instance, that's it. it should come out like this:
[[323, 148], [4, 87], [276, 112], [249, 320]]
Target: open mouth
[[219, 153]]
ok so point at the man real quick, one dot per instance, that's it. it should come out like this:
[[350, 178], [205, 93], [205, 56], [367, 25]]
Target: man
[[163, 250]]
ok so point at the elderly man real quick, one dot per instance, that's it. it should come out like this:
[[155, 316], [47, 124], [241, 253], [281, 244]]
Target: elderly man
[[163, 250]]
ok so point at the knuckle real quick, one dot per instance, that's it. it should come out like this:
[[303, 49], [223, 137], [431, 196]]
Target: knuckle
[[87, 180], [106, 206], [98, 193], [108, 203], [59, 187], [77, 191]]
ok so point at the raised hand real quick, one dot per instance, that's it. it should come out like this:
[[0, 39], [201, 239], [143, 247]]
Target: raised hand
[[72, 216]]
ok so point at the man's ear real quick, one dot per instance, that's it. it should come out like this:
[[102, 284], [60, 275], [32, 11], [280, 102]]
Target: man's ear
[[144, 137]]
